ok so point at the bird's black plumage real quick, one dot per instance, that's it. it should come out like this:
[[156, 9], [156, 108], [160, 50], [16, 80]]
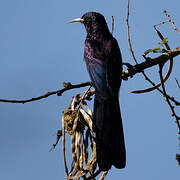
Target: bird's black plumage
[[104, 63]]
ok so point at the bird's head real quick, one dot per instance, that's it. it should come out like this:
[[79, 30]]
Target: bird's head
[[94, 23]]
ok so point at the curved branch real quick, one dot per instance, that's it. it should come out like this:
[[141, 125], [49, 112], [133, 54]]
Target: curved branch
[[132, 53], [157, 85], [168, 73]]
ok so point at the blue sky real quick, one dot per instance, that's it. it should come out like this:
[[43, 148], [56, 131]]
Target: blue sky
[[39, 50]]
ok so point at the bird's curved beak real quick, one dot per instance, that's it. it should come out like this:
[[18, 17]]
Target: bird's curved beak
[[76, 20]]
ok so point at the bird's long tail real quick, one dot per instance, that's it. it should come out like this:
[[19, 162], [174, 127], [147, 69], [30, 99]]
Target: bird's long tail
[[110, 146]]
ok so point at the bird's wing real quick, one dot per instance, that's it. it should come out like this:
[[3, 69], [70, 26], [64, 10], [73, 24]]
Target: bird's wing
[[114, 67], [97, 69], [104, 67]]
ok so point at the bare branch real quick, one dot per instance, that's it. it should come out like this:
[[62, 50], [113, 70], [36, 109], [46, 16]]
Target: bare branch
[[67, 86], [170, 98], [167, 99], [171, 21], [128, 33], [138, 68], [132, 53], [130, 72]]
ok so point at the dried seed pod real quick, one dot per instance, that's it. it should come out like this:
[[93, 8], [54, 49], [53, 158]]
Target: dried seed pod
[[69, 117]]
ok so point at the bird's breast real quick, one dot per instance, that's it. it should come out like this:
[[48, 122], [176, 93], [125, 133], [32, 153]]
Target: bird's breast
[[95, 51]]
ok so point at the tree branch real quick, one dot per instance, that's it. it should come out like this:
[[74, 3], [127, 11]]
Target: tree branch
[[167, 99], [130, 72], [128, 33], [67, 86], [138, 68], [171, 21]]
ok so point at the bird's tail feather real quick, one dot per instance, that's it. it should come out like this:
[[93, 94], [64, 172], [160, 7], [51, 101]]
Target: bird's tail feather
[[110, 146]]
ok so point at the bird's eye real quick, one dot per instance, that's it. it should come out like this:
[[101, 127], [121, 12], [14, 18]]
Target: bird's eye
[[88, 21]]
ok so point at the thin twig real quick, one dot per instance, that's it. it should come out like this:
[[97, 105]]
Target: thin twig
[[132, 53], [128, 33], [171, 21], [59, 92], [158, 89], [167, 99], [164, 22], [177, 83], [58, 136]]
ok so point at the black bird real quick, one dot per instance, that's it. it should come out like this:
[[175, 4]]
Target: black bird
[[104, 64]]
